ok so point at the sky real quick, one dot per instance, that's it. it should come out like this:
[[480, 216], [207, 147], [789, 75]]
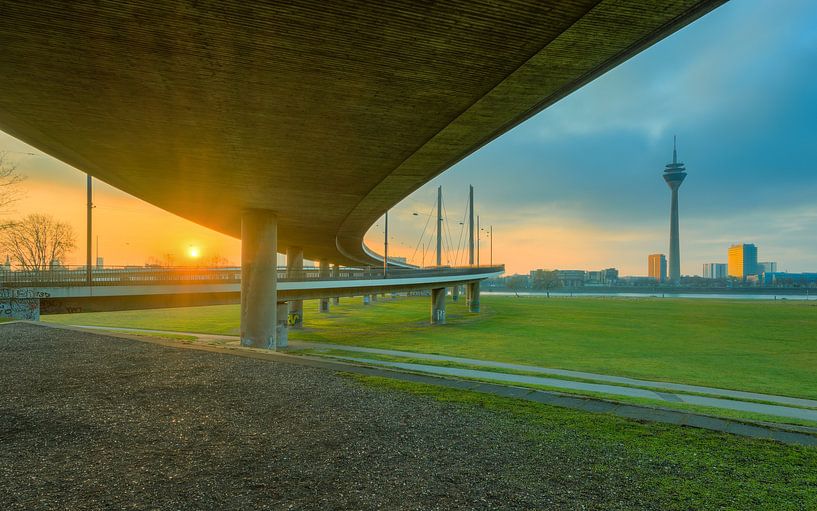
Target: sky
[[578, 186]]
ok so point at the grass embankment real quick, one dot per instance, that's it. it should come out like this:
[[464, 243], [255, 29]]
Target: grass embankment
[[687, 468], [760, 346]]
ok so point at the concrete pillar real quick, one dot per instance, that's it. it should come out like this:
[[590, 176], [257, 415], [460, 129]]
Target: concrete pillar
[[473, 297], [438, 306], [259, 278], [295, 268], [282, 328], [455, 293], [324, 274], [336, 275]]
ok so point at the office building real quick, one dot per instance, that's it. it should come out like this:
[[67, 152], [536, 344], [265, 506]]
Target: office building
[[657, 267], [742, 260], [715, 270], [766, 267]]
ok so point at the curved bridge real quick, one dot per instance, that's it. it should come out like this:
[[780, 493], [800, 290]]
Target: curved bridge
[[295, 125]]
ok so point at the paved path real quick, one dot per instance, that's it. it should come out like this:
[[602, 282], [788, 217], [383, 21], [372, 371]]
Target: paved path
[[729, 404], [785, 406]]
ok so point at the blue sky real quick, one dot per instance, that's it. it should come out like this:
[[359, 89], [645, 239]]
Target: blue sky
[[579, 185], [738, 87]]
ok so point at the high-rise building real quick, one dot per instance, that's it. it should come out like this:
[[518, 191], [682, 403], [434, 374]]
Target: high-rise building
[[766, 267], [714, 271], [674, 175], [742, 260], [657, 267]]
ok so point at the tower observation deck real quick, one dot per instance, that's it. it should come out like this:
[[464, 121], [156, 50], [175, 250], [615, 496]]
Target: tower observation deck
[[674, 175]]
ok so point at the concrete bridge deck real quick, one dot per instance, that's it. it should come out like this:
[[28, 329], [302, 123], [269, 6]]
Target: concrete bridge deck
[[24, 295]]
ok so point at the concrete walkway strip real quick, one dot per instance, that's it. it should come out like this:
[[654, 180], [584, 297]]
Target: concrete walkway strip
[[728, 404], [788, 434], [784, 400]]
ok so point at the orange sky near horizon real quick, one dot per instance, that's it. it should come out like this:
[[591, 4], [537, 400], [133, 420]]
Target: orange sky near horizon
[[133, 232]]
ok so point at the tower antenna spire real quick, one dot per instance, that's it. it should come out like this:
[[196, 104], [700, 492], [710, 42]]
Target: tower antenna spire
[[674, 151]]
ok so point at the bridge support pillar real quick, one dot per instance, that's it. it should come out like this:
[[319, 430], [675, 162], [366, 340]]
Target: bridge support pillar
[[473, 297], [281, 331], [336, 275], [455, 293], [438, 306], [295, 269], [324, 274], [259, 278]]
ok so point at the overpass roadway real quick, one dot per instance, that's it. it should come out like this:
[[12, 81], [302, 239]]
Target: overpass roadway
[[295, 125], [24, 295]]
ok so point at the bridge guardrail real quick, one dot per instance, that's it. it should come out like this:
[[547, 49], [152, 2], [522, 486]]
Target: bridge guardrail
[[124, 276]]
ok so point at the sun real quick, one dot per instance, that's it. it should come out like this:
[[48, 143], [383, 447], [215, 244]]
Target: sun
[[193, 252]]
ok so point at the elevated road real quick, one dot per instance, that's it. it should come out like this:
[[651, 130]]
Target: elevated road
[[326, 113], [295, 125]]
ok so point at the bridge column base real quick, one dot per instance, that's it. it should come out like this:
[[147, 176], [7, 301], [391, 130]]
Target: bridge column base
[[455, 293], [281, 331], [438, 306], [473, 297], [295, 269], [336, 275], [325, 273], [259, 278]]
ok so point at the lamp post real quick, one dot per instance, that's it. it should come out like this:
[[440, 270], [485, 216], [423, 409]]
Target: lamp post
[[479, 240], [89, 232], [386, 247]]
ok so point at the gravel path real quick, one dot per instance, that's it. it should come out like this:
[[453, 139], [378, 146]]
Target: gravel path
[[93, 422]]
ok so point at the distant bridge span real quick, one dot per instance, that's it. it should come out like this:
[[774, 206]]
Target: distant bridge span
[[65, 291]]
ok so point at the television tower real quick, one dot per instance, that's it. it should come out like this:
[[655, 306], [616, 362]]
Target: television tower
[[674, 175]]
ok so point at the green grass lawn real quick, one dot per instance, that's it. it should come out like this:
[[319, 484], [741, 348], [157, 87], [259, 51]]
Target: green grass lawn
[[760, 346]]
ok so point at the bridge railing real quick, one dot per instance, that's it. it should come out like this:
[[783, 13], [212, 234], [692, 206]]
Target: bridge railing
[[131, 276]]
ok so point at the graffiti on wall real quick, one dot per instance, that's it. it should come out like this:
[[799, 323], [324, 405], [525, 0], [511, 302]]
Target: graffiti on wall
[[22, 293], [20, 309]]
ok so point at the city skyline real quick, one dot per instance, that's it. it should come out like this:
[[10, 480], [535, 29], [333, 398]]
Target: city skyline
[[545, 208]]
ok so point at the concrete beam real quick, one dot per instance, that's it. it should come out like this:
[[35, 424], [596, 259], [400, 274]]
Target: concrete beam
[[295, 268], [259, 278], [438, 306]]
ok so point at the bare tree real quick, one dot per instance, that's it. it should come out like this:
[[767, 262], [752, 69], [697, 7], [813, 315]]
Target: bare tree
[[9, 181], [38, 241], [546, 280], [516, 282]]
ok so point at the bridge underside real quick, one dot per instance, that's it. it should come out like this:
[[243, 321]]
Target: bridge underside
[[319, 115], [326, 113]]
